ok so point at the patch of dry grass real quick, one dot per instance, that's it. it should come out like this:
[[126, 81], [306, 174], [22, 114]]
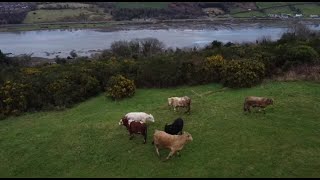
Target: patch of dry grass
[[301, 73]]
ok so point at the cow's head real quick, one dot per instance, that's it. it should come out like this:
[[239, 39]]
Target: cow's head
[[270, 101], [188, 136], [120, 122], [167, 128], [151, 118], [169, 101]]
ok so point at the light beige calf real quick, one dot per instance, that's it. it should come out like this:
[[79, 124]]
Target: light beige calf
[[175, 143]]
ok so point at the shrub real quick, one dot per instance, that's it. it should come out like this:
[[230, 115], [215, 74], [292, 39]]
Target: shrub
[[216, 44], [151, 46], [60, 92], [129, 68], [72, 87], [237, 74], [102, 70], [13, 98], [87, 85], [298, 55], [159, 71], [120, 87], [121, 48], [213, 67], [59, 60], [73, 54]]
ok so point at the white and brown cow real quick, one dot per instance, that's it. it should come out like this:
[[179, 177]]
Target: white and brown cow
[[254, 101], [175, 102]]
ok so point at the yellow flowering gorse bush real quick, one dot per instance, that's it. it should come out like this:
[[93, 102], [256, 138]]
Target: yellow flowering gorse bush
[[120, 87]]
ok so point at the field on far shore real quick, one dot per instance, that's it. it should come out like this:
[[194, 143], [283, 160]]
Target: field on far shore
[[75, 12], [86, 140], [156, 5]]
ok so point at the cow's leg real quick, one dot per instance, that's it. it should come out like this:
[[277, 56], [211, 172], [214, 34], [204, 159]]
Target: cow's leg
[[244, 107], [259, 108], [170, 154], [131, 136], [157, 150], [174, 108], [178, 153], [188, 110], [145, 138]]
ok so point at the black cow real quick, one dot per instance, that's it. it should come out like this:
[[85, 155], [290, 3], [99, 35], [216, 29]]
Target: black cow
[[174, 128]]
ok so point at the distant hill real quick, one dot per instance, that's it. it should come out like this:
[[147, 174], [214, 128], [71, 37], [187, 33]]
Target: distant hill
[[31, 12]]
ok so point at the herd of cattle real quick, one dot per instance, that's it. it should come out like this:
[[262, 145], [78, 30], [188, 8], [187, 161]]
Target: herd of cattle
[[173, 138]]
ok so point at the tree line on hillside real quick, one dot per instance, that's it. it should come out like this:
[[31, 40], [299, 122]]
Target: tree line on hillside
[[14, 13]]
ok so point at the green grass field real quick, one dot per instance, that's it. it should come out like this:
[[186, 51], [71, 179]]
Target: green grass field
[[308, 10], [249, 14], [262, 5], [33, 27], [58, 15], [279, 10], [86, 140], [157, 5], [237, 9]]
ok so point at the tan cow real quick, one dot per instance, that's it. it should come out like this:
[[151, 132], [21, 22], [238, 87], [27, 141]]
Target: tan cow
[[175, 143]]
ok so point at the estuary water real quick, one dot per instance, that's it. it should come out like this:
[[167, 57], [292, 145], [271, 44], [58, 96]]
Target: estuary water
[[49, 43]]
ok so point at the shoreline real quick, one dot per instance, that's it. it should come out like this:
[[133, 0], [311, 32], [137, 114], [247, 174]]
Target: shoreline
[[221, 23], [123, 25]]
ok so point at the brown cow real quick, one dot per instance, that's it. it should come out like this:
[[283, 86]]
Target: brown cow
[[253, 101]]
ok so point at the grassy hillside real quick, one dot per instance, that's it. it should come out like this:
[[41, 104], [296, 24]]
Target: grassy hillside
[[97, 12], [262, 5], [86, 141]]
